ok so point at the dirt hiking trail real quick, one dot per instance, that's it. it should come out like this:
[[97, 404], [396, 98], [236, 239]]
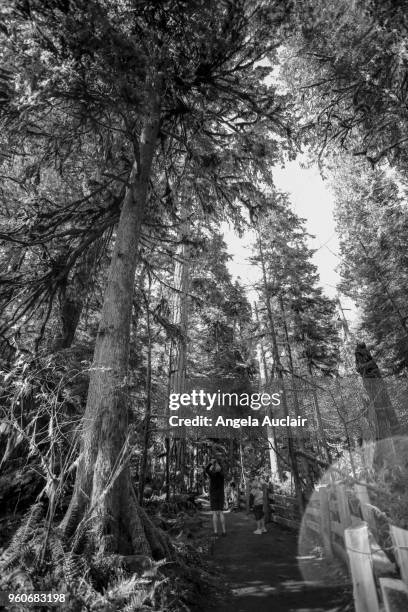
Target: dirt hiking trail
[[263, 572]]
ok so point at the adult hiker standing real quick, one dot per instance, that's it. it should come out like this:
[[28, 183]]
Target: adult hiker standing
[[216, 475]]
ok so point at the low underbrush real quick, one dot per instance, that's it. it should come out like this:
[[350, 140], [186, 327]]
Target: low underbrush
[[39, 559]]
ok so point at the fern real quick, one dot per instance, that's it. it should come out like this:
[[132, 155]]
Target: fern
[[56, 548], [20, 551], [28, 527], [92, 581], [135, 604], [75, 567]]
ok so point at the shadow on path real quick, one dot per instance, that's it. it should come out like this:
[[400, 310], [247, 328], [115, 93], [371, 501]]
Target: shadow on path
[[263, 574]]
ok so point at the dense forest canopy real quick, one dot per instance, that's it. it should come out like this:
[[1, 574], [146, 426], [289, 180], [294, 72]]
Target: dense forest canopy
[[130, 131]]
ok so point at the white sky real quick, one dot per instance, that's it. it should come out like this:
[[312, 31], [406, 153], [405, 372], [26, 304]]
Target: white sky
[[311, 199]]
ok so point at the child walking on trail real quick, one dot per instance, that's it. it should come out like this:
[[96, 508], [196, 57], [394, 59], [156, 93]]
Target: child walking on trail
[[256, 502], [233, 497]]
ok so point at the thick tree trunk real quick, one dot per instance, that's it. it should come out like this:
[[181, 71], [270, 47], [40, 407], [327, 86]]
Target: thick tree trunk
[[180, 313], [148, 415], [179, 346], [103, 494], [8, 347]]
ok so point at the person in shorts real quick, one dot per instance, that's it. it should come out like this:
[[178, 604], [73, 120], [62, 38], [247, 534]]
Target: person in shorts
[[216, 475], [256, 503]]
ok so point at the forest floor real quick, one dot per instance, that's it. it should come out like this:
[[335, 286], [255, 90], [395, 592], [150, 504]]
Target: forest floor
[[264, 572]]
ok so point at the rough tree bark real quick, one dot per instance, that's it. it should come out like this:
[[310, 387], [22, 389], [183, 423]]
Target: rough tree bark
[[8, 348], [148, 414], [179, 344], [103, 491]]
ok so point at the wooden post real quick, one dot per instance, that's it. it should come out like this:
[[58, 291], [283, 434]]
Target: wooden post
[[342, 501], [325, 528], [368, 516], [266, 502], [400, 540], [358, 550]]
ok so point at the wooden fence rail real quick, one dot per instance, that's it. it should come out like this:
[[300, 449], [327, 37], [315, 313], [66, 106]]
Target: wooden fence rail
[[351, 535], [348, 531]]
